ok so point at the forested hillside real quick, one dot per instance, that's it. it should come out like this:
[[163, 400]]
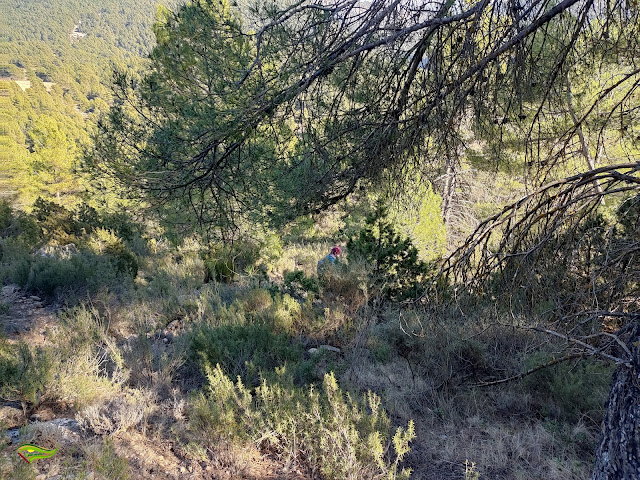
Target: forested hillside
[[320, 240], [74, 42], [58, 63]]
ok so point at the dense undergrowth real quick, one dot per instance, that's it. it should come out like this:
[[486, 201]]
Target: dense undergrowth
[[226, 349]]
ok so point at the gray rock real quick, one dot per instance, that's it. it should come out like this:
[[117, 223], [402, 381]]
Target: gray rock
[[65, 423], [13, 434], [327, 348], [330, 348], [10, 290], [45, 252], [68, 250], [66, 429]]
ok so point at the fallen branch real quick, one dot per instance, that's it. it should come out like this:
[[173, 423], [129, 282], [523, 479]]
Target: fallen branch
[[553, 362]]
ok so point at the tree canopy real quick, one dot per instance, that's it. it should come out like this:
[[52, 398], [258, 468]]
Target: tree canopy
[[308, 99]]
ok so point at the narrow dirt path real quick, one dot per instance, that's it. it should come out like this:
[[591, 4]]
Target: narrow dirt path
[[24, 316]]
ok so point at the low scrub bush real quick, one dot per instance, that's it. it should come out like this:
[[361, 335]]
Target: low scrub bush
[[346, 285], [83, 272], [104, 460], [325, 430], [285, 314], [257, 301], [105, 242], [300, 256], [243, 350], [298, 283], [81, 351], [568, 391], [115, 414], [79, 379], [468, 359], [25, 372], [69, 371], [271, 250], [222, 263]]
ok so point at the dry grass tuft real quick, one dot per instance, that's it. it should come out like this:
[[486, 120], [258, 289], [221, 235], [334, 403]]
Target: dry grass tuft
[[116, 414]]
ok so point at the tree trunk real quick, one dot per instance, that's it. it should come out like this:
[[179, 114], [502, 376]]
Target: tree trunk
[[618, 454], [583, 140], [448, 190]]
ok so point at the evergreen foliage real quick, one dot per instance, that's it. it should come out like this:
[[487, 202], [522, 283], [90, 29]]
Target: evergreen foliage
[[244, 351], [397, 270]]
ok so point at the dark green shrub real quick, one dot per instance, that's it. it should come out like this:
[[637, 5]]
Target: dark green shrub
[[24, 372], [26, 229], [124, 259], [568, 391], [223, 262], [15, 260], [243, 350], [88, 216], [397, 271], [122, 224], [62, 226], [6, 215], [18, 225], [47, 274], [58, 224], [84, 272], [297, 281], [17, 272]]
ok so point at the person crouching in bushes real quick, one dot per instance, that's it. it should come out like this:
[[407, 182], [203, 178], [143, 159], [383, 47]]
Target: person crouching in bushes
[[329, 260]]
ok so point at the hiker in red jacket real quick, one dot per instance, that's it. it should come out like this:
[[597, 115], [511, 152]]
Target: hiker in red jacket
[[329, 259]]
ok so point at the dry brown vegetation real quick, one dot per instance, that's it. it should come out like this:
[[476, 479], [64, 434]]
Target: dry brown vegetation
[[130, 380]]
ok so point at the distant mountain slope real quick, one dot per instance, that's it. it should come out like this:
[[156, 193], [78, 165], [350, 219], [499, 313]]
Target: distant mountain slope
[[74, 42], [112, 24], [58, 57]]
